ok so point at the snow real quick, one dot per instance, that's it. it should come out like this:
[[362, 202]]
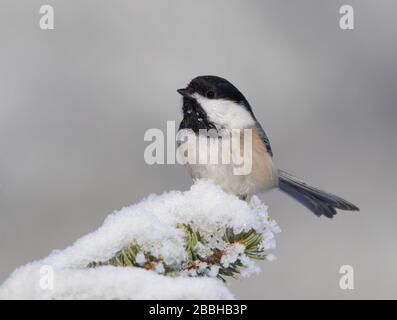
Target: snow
[[152, 223], [111, 283]]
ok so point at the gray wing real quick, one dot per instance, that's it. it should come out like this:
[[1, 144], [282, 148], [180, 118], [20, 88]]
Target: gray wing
[[265, 139]]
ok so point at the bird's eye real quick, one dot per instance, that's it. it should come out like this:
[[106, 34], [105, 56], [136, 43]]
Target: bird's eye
[[210, 94]]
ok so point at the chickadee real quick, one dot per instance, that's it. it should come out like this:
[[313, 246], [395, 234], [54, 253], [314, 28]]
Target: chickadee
[[211, 102]]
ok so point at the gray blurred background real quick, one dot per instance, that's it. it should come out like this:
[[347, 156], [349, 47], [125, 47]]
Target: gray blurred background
[[75, 103]]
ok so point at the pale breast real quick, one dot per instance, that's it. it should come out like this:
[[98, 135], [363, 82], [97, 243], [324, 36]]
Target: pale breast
[[260, 177]]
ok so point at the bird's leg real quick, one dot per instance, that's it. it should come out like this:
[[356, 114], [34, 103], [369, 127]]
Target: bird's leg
[[245, 198]]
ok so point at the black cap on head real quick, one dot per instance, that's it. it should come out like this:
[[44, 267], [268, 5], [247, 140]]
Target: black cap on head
[[213, 87]]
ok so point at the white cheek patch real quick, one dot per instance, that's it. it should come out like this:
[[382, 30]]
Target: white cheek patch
[[226, 113]]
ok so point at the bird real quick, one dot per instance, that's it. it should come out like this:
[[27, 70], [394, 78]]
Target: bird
[[212, 103]]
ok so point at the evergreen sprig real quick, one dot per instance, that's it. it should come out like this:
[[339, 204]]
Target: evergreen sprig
[[251, 240]]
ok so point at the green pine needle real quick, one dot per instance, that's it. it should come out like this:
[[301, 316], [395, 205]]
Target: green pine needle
[[250, 239]]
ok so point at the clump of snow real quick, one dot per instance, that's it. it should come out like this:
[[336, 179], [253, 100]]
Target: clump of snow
[[151, 223], [108, 283]]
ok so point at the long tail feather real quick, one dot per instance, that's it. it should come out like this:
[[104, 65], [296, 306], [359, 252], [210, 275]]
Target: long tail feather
[[316, 200]]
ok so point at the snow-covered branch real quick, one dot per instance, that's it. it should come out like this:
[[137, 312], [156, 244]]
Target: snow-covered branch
[[171, 246]]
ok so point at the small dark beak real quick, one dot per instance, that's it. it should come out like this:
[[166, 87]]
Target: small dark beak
[[184, 92]]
